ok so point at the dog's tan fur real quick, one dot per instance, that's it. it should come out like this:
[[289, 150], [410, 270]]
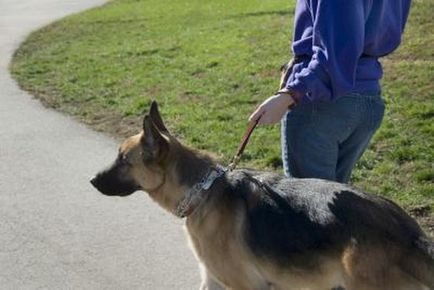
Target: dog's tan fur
[[166, 169]]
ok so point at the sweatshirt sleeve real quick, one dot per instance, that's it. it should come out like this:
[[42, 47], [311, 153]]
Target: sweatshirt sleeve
[[338, 41]]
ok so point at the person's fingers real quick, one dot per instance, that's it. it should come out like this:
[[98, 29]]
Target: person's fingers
[[271, 110], [256, 114]]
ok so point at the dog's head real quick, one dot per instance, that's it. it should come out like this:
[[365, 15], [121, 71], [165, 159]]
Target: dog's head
[[140, 163], [153, 161]]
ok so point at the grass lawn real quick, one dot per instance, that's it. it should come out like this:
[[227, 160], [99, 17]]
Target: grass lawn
[[209, 63]]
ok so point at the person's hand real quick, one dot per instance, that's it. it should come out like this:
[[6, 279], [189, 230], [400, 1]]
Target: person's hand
[[272, 109]]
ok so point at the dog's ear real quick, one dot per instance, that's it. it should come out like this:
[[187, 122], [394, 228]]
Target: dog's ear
[[155, 143], [156, 117]]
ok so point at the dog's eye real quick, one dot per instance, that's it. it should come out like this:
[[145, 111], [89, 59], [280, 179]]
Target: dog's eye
[[124, 160]]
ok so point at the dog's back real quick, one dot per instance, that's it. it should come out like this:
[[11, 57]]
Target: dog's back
[[299, 223]]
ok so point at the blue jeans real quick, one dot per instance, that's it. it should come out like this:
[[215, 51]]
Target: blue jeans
[[325, 139]]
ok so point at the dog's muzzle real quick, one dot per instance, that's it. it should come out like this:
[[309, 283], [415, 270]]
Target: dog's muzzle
[[108, 184]]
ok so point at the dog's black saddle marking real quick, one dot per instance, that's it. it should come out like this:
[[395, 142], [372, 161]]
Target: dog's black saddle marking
[[286, 231], [297, 221]]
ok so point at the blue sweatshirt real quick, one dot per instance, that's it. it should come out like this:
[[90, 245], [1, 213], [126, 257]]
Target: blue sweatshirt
[[343, 40]]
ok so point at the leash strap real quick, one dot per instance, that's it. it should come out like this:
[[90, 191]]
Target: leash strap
[[243, 144]]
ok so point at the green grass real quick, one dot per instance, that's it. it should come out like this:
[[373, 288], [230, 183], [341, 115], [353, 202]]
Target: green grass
[[209, 63]]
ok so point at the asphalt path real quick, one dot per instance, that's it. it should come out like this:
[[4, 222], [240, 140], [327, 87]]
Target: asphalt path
[[56, 231]]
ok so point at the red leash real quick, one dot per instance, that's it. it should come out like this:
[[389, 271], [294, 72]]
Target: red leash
[[243, 144]]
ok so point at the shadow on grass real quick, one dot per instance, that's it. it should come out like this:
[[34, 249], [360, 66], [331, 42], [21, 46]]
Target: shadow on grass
[[264, 13], [116, 21]]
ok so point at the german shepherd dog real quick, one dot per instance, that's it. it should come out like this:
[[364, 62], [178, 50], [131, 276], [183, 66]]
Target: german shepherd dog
[[254, 230]]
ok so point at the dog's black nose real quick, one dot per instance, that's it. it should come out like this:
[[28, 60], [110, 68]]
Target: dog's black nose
[[93, 181]]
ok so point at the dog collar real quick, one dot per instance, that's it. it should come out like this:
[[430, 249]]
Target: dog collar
[[193, 196]]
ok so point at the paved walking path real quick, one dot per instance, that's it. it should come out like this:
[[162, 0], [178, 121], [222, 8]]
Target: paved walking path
[[56, 232]]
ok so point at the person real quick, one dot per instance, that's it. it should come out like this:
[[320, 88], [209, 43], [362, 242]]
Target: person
[[333, 86]]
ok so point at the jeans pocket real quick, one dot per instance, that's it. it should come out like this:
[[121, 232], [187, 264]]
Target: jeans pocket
[[301, 115]]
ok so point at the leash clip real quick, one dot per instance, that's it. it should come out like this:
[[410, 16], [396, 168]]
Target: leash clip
[[235, 160]]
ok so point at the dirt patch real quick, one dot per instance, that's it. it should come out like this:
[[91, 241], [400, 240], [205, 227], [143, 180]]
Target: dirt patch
[[114, 124]]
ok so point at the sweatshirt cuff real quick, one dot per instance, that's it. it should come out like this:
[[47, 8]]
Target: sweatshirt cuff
[[311, 83], [300, 88]]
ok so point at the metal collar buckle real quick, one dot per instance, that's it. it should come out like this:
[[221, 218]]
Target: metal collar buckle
[[193, 195]]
